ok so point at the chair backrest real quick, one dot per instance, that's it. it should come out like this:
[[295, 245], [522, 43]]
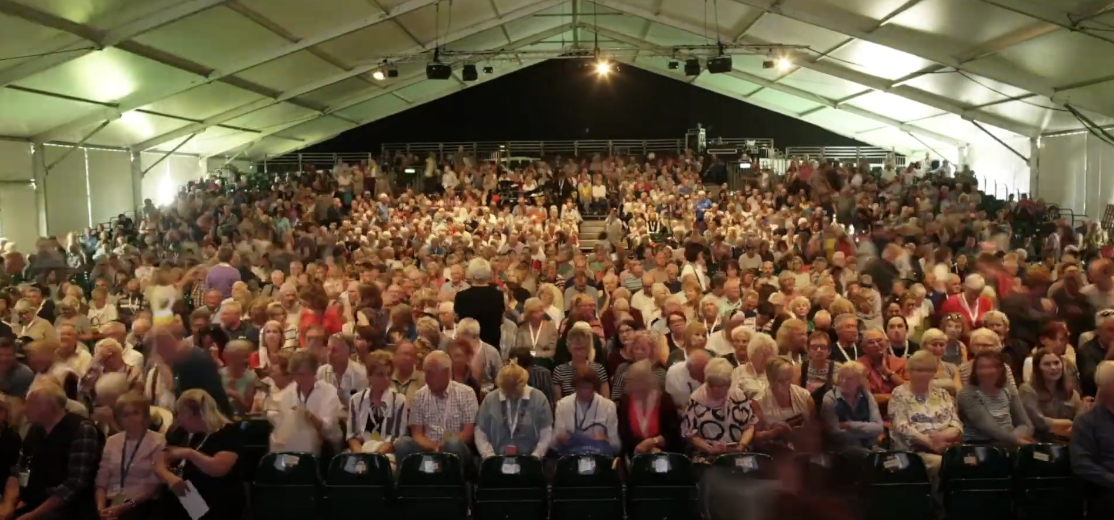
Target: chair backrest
[[975, 462], [519, 472], [288, 469], [255, 432], [359, 469], [894, 467], [577, 471], [430, 469], [1043, 461], [750, 465], [661, 469]]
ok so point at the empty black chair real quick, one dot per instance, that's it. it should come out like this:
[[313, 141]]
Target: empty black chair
[[587, 487], [661, 486], [745, 465], [431, 485], [976, 483], [357, 483], [511, 488], [1044, 488], [734, 480], [896, 486], [286, 486], [256, 435]]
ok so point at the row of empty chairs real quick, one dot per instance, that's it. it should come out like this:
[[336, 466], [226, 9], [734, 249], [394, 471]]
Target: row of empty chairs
[[977, 483]]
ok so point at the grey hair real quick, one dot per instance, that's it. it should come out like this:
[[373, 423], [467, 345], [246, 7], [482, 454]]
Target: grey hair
[[718, 371], [761, 341], [112, 383], [437, 359], [996, 314], [479, 270], [468, 326]]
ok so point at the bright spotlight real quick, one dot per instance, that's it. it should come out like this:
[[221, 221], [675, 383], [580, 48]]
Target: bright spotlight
[[379, 75], [784, 64], [603, 68]]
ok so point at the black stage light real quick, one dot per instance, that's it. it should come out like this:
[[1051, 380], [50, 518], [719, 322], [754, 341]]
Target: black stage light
[[768, 64], [469, 73], [392, 73], [692, 67], [438, 71], [673, 65], [719, 64], [489, 70]]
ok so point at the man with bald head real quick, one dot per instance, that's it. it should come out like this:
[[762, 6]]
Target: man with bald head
[[59, 460], [683, 378], [643, 299]]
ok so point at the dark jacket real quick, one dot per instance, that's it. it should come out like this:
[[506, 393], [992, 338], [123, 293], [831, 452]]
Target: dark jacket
[[669, 425]]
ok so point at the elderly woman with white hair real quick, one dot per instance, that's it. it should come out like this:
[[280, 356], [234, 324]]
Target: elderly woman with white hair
[[751, 376], [515, 418], [536, 332], [482, 302], [923, 416], [984, 340], [947, 374], [970, 305], [782, 407], [850, 413], [719, 417], [648, 418]]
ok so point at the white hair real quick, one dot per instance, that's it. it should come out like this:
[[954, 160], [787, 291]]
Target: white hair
[[719, 370], [1104, 374], [985, 334], [996, 315], [760, 341], [469, 327], [677, 299], [709, 298], [437, 359], [479, 270], [112, 383], [696, 355], [974, 282]]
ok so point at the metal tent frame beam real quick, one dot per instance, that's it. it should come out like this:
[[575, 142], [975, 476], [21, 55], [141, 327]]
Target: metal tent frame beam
[[207, 76], [828, 16], [324, 82], [854, 76], [168, 12], [408, 81], [416, 102], [793, 91]]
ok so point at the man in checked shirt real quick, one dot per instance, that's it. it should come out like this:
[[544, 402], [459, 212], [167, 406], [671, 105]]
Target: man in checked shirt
[[54, 476]]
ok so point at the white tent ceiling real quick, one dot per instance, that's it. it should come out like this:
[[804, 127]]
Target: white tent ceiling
[[265, 77]]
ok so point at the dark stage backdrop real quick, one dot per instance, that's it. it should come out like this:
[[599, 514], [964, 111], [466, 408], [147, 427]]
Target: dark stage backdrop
[[564, 99]]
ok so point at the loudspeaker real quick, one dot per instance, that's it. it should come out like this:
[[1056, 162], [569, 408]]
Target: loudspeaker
[[438, 71], [692, 67], [719, 64], [469, 73]]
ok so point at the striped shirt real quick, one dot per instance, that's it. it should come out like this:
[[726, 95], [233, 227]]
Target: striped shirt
[[563, 376], [440, 416]]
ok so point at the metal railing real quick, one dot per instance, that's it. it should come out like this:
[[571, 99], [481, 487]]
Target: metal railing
[[871, 154], [540, 149]]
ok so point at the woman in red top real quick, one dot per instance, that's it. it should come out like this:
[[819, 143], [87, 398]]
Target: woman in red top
[[316, 310], [648, 420]]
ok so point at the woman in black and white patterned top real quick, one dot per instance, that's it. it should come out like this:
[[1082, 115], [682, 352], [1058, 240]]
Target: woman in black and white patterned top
[[579, 341], [719, 418]]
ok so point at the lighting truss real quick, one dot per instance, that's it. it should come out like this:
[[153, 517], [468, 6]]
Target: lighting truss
[[499, 55]]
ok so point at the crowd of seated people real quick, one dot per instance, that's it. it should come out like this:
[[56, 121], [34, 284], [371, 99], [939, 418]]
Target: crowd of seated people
[[837, 310]]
